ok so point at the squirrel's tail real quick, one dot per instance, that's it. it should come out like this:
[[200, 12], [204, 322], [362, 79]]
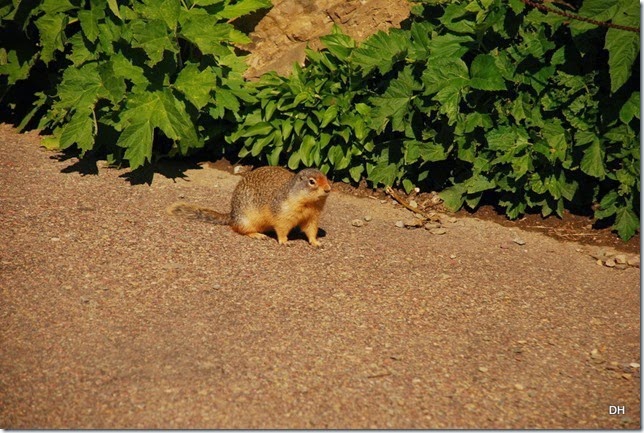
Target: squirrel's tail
[[192, 211]]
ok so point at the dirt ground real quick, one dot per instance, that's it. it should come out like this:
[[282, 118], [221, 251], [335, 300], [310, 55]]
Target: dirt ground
[[115, 315]]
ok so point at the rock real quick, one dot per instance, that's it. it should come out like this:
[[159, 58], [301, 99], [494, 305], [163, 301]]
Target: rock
[[610, 263], [634, 365], [400, 224], [413, 203], [357, 223], [519, 386], [413, 223], [518, 241], [596, 357], [633, 261], [483, 369], [367, 218], [620, 259], [438, 231], [432, 225]]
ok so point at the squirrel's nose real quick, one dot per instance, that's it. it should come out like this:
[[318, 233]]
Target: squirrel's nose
[[327, 188]]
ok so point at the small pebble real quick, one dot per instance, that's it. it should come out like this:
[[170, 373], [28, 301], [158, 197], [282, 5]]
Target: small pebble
[[413, 203], [519, 386], [518, 241], [357, 223], [610, 263], [55, 239], [367, 218], [413, 223], [634, 261], [634, 365], [400, 224], [620, 259], [432, 225], [438, 231], [483, 369]]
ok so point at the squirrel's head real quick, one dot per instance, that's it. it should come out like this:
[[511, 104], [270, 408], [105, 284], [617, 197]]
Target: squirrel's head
[[314, 181]]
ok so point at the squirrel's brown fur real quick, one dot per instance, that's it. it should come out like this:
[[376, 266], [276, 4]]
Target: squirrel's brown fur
[[270, 198]]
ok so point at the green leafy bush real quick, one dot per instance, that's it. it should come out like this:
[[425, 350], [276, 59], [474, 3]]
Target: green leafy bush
[[126, 73], [473, 98]]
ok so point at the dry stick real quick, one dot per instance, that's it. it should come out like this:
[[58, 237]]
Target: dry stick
[[400, 200], [576, 17]]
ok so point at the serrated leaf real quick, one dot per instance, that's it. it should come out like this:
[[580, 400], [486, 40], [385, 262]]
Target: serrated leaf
[[79, 130], [382, 173], [52, 7], [444, 73], [153, 37], [165, 10], [393, 104], [196, 85], [338, 43], [623, 48], [631, 108], [626, 223], [81, 87], [485, 75], [52, 34], [159, 109], [12, 68], [244, 7], [136, 138], [381, 51], [592, 162], [89, 19], [430, 151], [453, 197]]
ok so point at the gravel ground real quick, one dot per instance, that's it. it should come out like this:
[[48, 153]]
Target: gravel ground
[[115, 315]]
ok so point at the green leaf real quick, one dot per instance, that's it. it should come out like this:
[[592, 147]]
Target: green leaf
[[453, 197], [631, 108], [89, 20], [52, 35], [626, 223], [154, 38], [165, 10], [356, 172], [444, 73], [196, 85], [136, 138], [12, 68], [261, 128], [485, 75], [430, 151], [159, 109], [330, 114], [81, 87], [592, 162], [338, 43], [381, 51], [79, 130], [244, 7], [623, 48], [393, 104]]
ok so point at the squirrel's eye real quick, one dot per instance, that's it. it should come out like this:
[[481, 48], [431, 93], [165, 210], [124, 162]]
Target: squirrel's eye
[[311, 181]]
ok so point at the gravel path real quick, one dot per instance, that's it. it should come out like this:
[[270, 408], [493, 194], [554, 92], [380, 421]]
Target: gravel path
[[115, 315]]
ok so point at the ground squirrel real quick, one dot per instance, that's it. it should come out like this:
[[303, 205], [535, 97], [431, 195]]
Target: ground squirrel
[[270, 198]]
